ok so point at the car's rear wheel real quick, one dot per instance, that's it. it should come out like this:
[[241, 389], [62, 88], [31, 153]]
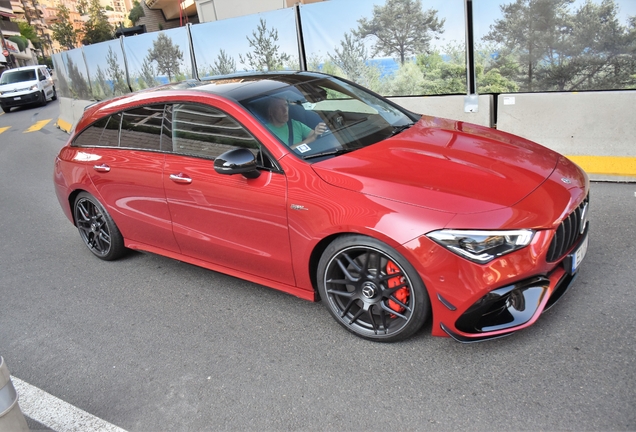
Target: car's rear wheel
[[97, 228], [371, 289]]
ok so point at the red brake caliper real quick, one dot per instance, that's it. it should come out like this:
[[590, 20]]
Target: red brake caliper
[[402, 294]]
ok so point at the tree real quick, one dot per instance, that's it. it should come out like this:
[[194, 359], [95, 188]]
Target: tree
[[96, 29], [28, 31], [265, 55], [117, 76], [148, 73], [401, 28], [560, 49], [63, 31], [78, 85], [223, 65], [531, 29], [136, 12], [352, 59], [167, 56]]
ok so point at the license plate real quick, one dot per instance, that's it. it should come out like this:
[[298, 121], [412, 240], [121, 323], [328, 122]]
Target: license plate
[[579, 254], [17, 98]]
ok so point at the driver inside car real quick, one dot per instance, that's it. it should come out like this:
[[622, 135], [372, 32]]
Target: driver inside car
[[292, 132]]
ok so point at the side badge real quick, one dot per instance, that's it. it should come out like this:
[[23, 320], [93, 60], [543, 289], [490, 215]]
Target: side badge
[[298, 207], [566, 180]]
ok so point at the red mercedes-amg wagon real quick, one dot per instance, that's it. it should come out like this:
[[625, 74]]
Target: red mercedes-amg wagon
[[312, 185]]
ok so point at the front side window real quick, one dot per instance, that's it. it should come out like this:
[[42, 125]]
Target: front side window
[[203, 131], [354, 117]]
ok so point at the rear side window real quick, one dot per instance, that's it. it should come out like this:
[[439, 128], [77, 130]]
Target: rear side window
[[141, 128], [203, 131]]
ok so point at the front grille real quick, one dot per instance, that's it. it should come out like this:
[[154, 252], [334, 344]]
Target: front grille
[[568, 232]]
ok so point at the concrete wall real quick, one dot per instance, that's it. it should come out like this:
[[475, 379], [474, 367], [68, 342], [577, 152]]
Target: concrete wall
[[594, 129], [451, 107], [590, 123]]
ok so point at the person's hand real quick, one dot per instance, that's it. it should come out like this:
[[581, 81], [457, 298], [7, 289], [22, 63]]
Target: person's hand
[[320, 128]]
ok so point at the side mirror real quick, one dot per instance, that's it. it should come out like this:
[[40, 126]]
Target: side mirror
[[237, 161]]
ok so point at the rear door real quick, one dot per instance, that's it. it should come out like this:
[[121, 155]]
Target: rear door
[[127, 172]]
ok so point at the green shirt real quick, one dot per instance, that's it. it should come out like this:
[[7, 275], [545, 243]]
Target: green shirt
[[300, 131]]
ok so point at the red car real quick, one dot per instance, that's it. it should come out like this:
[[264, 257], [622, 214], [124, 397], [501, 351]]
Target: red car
[[312, 185]]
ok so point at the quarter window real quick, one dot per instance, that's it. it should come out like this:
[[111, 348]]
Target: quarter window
[[90, 136]]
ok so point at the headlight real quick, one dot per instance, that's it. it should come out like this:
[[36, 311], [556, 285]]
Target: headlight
[[34, 87], [481, 246]]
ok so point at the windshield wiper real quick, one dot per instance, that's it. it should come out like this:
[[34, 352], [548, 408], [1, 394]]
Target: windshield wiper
[[402, 128], [330, 153]]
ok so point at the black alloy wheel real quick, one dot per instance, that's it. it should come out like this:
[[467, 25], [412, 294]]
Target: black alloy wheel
[[97, 228], [372, 290]]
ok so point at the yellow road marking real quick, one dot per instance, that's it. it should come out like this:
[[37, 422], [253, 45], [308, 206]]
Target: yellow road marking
[[2, 129], [611, 165], [37, 126]]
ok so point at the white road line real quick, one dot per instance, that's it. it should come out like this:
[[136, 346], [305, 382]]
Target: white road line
[[56, 414]]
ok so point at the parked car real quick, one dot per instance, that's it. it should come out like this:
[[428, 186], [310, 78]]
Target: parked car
[[390, 218], [26, 85]]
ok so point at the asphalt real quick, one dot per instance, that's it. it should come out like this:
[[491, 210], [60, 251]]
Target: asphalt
[[148, 343]]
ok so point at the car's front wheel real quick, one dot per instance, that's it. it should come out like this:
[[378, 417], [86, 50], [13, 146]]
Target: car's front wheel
[[97, 228], [54, 97], [6, 109], [371, 289]]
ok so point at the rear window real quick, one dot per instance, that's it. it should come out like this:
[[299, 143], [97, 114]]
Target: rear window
[[10, 77]]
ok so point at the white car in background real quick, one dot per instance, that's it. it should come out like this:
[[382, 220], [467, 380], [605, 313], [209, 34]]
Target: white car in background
[[26, 85]]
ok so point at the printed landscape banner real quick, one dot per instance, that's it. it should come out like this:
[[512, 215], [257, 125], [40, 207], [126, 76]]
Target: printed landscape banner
[[395, 47]]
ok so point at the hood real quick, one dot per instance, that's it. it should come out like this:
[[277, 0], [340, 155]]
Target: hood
[[444, 165], [18, 86]]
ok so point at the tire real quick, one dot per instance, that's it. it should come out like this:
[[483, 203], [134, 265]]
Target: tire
[[97, 228], [54, 97], [43, 100], [372, 290], [6, 109]]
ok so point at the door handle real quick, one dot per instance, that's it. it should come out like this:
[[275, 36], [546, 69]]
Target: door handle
[[180, 178], [101, 168]]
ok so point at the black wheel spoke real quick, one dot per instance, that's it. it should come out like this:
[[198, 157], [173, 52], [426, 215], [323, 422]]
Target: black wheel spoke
[[356, 316], [339, 281], [353, 263], [372, 321], [346, 310], [393, 312], [346, 272], [393, 298], [347, 294]]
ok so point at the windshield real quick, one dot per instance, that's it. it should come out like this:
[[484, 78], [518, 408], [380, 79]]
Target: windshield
[[326, 117], [10, 77]]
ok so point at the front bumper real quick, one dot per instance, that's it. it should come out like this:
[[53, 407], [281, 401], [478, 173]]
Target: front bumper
[[472, 302], [19, 99]]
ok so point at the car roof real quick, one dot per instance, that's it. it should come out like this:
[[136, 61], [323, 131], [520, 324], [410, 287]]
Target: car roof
[[241, 86]]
